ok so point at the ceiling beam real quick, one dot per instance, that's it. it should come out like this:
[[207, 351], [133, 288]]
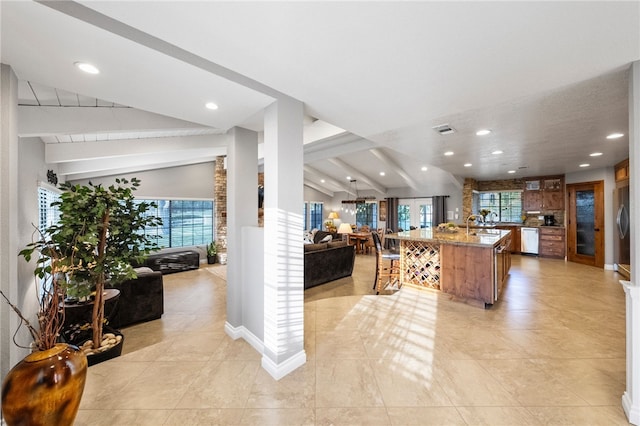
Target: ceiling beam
[[179, 146], [308, 170], [317, 187], [389, 162], [358, 175]]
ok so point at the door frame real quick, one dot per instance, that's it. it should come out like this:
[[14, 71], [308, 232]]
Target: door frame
[[597, 259]]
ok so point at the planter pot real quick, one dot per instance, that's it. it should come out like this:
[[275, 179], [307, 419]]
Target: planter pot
[[83, 336], [212, 259], [45, 388]]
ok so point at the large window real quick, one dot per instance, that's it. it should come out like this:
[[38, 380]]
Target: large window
[[47, 215], [507, 205], [185, 222], [367, 214], [313, 215]]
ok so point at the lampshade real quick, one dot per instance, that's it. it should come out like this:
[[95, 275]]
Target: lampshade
[[334, 215], [344, 228]]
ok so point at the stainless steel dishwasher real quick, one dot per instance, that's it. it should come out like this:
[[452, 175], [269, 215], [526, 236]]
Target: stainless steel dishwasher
[[529, 240]]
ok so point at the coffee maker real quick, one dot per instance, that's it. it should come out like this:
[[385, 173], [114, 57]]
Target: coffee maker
[[549, 220]]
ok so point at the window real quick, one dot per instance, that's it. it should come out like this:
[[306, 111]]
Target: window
[[185, 222], [404, 217], [367, 214], [312, 213], [507, 205], [47, 215]]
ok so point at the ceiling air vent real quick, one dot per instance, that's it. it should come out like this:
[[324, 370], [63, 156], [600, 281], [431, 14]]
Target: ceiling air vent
[[444, 129]]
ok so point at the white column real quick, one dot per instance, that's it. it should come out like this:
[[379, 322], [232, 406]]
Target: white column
[[242, 210], [283, 260], [631, 396], [9, 353]]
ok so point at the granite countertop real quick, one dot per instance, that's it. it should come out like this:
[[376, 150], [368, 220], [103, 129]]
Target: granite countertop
[[482, 238]]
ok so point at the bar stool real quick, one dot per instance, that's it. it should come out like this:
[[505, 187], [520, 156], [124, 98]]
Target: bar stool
[[386, 274]]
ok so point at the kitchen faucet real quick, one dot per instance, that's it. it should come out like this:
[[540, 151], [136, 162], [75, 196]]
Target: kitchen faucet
[[471, 217]]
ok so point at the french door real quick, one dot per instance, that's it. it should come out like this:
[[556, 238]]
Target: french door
[[585, 223], [415, 212]]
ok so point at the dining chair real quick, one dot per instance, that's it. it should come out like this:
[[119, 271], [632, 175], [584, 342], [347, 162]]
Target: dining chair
[[387, 267]]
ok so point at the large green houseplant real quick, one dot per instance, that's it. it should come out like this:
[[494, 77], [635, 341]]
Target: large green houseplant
[[102, 230]]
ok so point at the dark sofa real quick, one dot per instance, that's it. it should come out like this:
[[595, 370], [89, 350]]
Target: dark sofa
[[141, 299], [170, 262], [326, 262]]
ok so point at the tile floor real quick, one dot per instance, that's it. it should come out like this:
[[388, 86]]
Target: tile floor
[[550, 352]]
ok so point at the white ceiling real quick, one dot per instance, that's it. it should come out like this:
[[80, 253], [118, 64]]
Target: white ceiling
[[549, 78]]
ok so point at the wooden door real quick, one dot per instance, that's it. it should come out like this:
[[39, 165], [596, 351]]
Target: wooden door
[[585, 223]]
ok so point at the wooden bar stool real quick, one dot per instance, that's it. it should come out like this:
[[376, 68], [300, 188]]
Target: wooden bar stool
[[387, 273]]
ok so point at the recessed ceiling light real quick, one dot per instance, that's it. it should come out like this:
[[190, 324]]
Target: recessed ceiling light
[[483, 132], [615, 135], [211, 105], [595, 154], [496, 152], [348, 177], [585, 165], [424, 168], [468, 164], [448, 153], [86, 67], [511, 171], [381, 173], [321, 180]]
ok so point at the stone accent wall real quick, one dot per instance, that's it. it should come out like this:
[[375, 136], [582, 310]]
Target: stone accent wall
[[468, 187], [501, 185], [220, 179]]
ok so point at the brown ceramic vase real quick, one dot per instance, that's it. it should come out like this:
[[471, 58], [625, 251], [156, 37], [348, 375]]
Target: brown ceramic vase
[[45, 388]]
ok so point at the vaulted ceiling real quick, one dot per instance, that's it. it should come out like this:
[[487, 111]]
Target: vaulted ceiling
[[548, 78]]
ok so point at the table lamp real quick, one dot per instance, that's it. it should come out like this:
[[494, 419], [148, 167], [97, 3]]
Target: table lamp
[[344, 229]]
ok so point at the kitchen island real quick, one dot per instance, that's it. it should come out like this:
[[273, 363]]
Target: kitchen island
[[470, 266]]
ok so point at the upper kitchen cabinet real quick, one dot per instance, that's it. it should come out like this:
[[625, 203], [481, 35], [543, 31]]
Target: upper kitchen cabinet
[[622, 170], [543, 193]]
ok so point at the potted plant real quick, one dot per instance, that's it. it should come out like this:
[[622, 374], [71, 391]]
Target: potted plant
[[46, 386], [212, 251], [102, 230]]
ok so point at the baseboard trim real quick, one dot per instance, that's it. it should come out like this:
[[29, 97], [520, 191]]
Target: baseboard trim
[[242, 332], [633, 413], [278, 371]]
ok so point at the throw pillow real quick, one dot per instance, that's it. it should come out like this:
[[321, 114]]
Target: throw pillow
[[326, 239]]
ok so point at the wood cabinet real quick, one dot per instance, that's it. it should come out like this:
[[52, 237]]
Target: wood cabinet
[[515, 236], [622, 170], [543, 193], [552, 242]]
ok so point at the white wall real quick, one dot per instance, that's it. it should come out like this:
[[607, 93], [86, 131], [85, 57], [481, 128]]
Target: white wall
[[605, 174], [196, 181]]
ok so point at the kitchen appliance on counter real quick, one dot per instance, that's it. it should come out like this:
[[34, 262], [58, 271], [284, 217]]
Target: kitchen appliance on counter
[[549, 220], [622, 247], [529, 240]]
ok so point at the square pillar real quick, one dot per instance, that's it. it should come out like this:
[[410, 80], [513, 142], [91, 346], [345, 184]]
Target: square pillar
[[631, 396], [283, 228]]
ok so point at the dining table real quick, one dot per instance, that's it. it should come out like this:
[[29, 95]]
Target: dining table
[[359, 239]]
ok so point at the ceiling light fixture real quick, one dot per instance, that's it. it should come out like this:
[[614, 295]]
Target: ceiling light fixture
[[615, 135], [348, 178], [86, 67], [511, 172], [211, 105], [322, 181], [468, 164], [448, 153], [585, 165], [595, 154], [357, 204], [483, 132], [497, 152], [382, 173], [424, 168]]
